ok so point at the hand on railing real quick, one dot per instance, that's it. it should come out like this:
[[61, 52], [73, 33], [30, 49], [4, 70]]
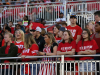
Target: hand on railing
[[23, 56]]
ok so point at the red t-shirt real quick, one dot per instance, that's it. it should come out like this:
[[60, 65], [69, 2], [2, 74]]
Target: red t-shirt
[[12, 30], [30, 52], [65, 47], [75, 31], [6, 52], [98, 43], [87, 45], [20, 46], [57, 38]]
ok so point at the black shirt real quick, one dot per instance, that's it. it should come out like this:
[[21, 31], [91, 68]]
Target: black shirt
[[40, 41], [53, 45]]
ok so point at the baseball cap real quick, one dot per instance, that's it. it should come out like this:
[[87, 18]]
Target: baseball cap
[[19, 20], [62, 29], [73, 16], [38, 29]]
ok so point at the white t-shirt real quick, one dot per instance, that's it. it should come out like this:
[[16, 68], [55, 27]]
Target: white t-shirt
[[60, 19]]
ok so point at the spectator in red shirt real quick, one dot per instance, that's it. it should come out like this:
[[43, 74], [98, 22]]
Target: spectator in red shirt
[[67, 47], [9, 50], [55, 31], [86, 47], [7, 29], [19, 40], [75, 29], [10, 24], [31, 49]]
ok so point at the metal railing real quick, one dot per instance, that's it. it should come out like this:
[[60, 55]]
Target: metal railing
[[50, 12], [62, 67]]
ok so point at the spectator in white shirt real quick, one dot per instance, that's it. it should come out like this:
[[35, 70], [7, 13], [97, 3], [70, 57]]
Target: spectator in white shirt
[[61, 19]]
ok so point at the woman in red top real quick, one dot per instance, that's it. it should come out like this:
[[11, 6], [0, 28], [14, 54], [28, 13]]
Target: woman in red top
[[67, 47], [31, 49], [86, 47], [19, 40], [55, 31], [49, 50]]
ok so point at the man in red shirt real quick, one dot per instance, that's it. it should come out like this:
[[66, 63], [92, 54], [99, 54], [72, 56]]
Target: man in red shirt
[[75, 29], [9, 50]]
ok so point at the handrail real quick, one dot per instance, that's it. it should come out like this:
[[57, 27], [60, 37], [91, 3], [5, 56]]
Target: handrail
[[49, 56]]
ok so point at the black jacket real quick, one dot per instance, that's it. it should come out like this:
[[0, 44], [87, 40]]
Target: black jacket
[[40, 41], [13, 50]]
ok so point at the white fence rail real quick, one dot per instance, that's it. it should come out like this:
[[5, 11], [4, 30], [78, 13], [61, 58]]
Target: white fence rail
[[50, 12], [75, 67]]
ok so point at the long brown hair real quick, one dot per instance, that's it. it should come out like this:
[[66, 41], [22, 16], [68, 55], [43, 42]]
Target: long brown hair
[[52, 38], [88, 32], [70, 37], [29, 40]]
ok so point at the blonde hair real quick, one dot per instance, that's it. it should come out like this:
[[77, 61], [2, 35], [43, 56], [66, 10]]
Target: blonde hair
[[22, 35], [92, 22], [52, 38], [29, 40], [10, 35], [88, 24]]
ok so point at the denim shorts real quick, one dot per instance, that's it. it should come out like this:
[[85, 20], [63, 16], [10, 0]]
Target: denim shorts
[[87, 66]]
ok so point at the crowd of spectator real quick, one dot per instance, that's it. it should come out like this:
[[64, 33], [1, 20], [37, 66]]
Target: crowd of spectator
[[29, 38]]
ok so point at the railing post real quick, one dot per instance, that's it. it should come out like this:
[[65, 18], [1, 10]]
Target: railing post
[[68, 17], [62, 64], [26, 9], [65, 9]]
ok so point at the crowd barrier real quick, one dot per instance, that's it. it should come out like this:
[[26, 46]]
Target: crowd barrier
[[49, 12], [54, 67]]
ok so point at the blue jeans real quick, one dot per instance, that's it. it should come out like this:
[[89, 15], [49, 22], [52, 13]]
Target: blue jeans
[[34, 69]]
